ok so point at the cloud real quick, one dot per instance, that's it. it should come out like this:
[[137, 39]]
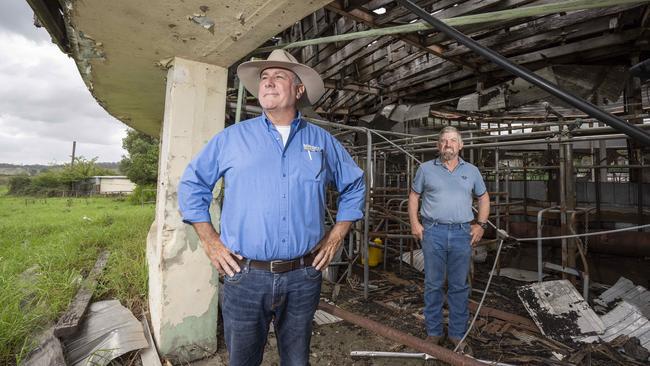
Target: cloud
[[17, 17], [44, 104]]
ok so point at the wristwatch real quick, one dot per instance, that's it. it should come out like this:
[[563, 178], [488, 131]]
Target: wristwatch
[[484, 225]]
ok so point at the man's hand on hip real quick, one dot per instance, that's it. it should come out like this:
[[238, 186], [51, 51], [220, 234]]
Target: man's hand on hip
[[417, 230], [329, 245], [222, 258], [477, 233]]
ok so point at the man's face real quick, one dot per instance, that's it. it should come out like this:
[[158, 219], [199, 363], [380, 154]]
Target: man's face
[[277, 89], [449, 145]]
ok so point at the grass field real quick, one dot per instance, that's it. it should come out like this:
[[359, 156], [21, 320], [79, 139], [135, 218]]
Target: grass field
[[48, 246]]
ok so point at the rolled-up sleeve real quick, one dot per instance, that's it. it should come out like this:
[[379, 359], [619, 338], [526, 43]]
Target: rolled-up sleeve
[[198, 180], [349, 181]]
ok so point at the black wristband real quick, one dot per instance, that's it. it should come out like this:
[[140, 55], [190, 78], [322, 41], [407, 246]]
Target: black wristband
[[484, 225]]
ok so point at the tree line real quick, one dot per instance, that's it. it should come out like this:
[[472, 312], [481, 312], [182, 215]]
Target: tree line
[[140, 165]]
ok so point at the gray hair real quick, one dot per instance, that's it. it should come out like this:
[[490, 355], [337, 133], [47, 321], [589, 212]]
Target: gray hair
[[296, 79], [450, 129]]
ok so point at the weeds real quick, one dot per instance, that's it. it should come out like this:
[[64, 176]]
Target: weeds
[[47, 247]]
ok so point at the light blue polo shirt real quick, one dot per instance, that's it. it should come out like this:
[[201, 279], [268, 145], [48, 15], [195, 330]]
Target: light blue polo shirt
[[447, 196]]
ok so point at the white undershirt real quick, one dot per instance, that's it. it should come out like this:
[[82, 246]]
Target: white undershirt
[[284, 132]]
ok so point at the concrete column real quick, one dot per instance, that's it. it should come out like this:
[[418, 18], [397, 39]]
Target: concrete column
[[182, 282]]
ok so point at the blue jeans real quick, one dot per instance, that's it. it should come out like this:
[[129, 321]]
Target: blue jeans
[[253, 298], [447, 251]]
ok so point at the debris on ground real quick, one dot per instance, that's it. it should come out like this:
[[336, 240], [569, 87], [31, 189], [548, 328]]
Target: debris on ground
[[109, 330], [560, 311]]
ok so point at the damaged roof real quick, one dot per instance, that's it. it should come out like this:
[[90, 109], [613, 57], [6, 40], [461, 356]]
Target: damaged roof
[[122, 48]]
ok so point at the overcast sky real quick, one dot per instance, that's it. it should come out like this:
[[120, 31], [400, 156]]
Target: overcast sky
[[44, 104]]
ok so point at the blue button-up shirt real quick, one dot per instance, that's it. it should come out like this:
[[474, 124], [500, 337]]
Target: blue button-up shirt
[[274, 198], [447, 196]]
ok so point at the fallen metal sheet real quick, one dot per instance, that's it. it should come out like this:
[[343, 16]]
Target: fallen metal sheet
[[418, 259], [624, 319], [321, 317], [109, 330], [621, 286], [149, 356], [519, 274], [625, 289], [48, 352], [559, 311]]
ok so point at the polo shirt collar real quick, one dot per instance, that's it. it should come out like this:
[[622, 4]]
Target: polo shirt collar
[[437, 161]]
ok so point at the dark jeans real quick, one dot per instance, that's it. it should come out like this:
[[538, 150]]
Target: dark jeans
[[253, 298], [447, 252]]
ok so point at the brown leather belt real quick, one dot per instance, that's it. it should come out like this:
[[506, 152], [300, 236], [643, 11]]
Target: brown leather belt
[[279, 266]]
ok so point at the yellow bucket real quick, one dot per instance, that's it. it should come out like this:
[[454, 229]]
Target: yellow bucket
[[375, 255]]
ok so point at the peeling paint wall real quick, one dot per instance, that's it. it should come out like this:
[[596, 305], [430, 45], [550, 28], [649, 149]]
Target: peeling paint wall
[[182, 281], [117, 44], [84, 47]]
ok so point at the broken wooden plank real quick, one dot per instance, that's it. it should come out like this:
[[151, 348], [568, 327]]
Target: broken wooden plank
[[321, 318], [514, 319], [69, 322]]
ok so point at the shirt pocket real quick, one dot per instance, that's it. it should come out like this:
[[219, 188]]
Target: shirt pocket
[[311, 165]]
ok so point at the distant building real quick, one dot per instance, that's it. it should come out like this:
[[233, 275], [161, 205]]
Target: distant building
[[110, 184]]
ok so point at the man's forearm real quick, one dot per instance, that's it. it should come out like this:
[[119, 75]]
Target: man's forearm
[[483, 208], [413, 203], [341, 229], [206, 232]]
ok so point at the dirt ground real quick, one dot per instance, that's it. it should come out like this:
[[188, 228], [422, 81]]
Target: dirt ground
[[396, 300]]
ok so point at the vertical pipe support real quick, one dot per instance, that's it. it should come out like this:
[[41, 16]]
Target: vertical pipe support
[[240, 101], [366, 223], [497, 188]]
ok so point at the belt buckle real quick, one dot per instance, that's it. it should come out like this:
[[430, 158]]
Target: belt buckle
[[273, 265]]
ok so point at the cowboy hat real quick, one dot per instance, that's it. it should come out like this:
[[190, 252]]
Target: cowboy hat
[[249, 74]]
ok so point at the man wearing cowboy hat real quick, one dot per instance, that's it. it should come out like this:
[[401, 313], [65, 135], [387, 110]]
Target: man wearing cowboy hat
[[272, 245]]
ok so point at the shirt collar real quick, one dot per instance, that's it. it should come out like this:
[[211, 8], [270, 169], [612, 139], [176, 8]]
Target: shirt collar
[[297, 122], [437, 161]]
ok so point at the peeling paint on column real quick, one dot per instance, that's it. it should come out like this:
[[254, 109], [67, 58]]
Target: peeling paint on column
[[179, 340], [183, 283]]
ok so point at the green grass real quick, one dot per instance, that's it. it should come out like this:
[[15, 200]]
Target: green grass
[[48, 246]]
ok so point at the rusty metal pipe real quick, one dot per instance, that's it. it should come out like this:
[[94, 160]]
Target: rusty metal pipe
[[421, 345]]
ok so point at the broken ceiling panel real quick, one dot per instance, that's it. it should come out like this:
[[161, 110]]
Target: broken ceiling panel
[[590, 81], [603, 83], [626, 290], [490, 99], [559, 311], [418, 111], [625, 319]]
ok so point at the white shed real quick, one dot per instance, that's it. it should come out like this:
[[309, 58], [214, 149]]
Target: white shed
[[111, 184]]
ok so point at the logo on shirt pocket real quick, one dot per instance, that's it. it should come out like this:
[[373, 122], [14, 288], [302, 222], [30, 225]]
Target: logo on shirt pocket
[[464, 177]]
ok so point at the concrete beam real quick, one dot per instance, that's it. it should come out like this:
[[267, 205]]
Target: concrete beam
[[182, 282]]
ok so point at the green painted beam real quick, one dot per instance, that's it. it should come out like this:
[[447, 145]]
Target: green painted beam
[[523, 12]]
